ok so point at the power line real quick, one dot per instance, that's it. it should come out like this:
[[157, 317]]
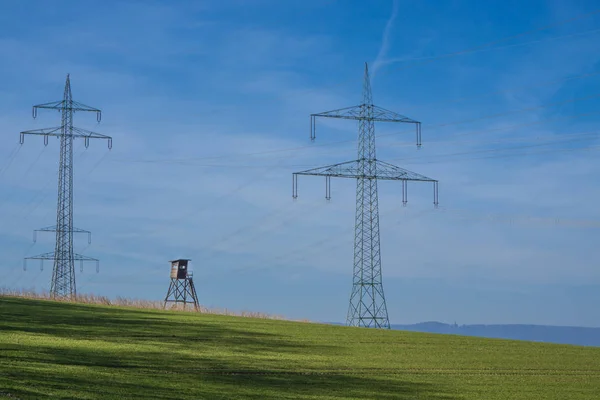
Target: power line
[[10, 159], [489, 116], [438, 125], [293, 215], [505, 91], [329, 241], [590, 148], [321, 244], [450, 138], [567, 138], [523, 219]]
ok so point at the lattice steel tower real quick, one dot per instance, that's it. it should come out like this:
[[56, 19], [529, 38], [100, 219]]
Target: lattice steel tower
[[63, 273], [367, 301]]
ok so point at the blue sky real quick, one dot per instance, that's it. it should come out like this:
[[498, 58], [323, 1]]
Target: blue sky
[[208, 104]]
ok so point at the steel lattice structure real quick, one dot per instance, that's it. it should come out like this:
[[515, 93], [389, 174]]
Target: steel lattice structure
[[182, 291], [367, 301], [63, 273]]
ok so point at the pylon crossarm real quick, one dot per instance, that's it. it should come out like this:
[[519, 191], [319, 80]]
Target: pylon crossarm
[[331, 170], [352, 112], [87, 135], [352, 169], [375, 114], [51, 256], [53, 105], [79, 257], [77, 106], [70, 106], [389, 171], [82, 259], [41, 257], [44, 256], [54, 229], [60, 105], [356, 112], [56, 131], [380, 114]]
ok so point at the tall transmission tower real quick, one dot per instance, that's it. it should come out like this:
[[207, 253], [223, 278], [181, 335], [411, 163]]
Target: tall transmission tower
[[367, 301], [63, 273]]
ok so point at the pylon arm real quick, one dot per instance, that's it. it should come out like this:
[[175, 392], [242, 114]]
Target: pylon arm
[[53, 105], [87, 135], [45, 132], [58, 132], [365, 112], [54, 229], [352, 169], [55, 131], [52, 256], [72, 106], [362, 111], [355, 169]]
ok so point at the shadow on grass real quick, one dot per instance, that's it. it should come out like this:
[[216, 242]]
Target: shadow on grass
[[176, 360], [214, 380], [85, 322]]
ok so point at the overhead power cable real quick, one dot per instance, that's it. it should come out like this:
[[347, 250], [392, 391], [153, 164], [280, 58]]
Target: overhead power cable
[[439, 125], [11, 157], [566, 138]]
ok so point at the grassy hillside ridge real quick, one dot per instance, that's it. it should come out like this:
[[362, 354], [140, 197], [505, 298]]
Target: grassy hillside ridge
[[135, 303], [67, 350]]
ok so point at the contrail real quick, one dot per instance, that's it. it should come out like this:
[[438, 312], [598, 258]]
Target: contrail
[[379, 60]]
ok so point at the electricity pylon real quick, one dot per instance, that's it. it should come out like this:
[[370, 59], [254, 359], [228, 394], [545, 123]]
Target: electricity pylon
[[63, 273], [367, 301]]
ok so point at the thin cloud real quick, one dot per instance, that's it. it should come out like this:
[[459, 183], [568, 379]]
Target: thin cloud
[[385, 41]]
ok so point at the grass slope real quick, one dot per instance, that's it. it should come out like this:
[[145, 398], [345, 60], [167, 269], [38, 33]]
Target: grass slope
[[65, 350]]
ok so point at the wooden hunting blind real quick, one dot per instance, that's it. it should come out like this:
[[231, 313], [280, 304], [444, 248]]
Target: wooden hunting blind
[[181, 288], [179, 269]]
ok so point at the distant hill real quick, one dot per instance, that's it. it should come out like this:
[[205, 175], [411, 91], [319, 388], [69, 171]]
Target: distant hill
[[535, 333]]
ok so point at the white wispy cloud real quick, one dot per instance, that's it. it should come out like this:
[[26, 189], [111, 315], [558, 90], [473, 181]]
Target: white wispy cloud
[[385, 41]]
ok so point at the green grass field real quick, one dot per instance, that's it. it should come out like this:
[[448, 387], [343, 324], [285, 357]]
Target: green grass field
[[65, 350]]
